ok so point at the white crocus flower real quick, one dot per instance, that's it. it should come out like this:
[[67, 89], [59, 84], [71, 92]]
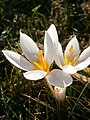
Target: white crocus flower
[[35, 64], [70, 62], [60, 94]]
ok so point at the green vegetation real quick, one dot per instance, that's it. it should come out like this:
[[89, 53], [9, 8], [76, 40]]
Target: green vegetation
[[21, 99]]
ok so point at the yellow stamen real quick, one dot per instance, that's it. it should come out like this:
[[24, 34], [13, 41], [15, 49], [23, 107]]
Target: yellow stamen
[[71, 52], [74, 61], [37, 65], [65, 60], [70, 60], [41, 64]]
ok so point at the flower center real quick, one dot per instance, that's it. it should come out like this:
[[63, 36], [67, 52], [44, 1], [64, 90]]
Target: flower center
[[70, 60], [58, 89], [41, 64]]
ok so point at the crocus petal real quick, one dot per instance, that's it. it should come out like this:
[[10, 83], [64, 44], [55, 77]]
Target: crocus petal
[[48, 49], [84, 55], [59, 78], [29, 47], [17, 60], [73, 43], [69, 69], [53, 33], [83, 65], [59, 55], [54, 36], [35, 74]]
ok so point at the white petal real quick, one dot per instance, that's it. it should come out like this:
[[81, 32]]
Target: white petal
[[29, 47], [59, 55], [35, 74], [59, 78], [53, 32], [48, 49], [83, 64], [54, 36], [69, 69], [17, 60], [73, 43], [84, 55]]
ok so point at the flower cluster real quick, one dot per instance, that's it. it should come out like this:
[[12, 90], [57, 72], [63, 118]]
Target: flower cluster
[[38, 66]]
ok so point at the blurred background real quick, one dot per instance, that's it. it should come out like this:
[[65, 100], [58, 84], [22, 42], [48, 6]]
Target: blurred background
[[21, 99]]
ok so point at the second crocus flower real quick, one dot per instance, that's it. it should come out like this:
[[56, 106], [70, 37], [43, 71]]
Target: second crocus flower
[[69, 62]]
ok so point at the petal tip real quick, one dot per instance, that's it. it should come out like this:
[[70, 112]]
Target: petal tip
[[5, 51]]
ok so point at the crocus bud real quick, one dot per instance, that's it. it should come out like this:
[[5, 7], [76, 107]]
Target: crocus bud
[[60, 94]]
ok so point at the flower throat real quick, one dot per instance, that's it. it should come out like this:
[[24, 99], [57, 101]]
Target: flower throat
[[41, 64], [70, 60]]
